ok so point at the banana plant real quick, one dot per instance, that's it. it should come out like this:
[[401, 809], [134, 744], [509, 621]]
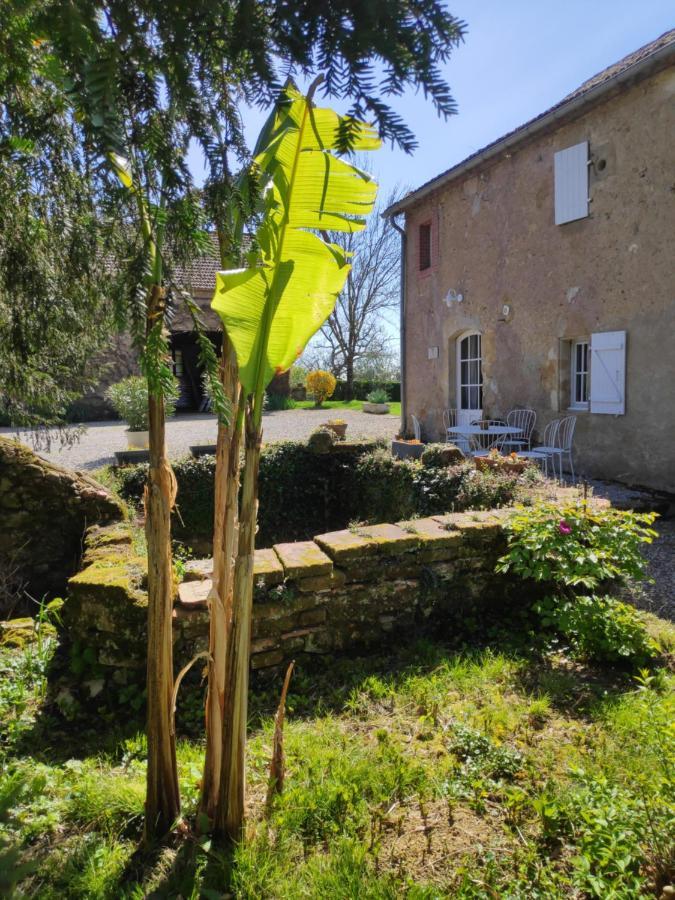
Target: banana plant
[[270, 309]]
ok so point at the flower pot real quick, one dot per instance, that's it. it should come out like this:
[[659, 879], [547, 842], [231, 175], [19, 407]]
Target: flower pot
[[339, 430], [378, 409], [500, 464], [406, 449], [137, 440]]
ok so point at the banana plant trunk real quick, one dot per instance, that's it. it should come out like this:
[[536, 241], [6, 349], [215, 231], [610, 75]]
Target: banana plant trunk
[[225, 534], [162, 805], [229, 814]]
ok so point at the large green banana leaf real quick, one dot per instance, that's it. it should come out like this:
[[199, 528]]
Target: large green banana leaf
[[273, 308]]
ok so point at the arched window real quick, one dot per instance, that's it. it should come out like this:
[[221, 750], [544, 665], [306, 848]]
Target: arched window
[[470, 373]]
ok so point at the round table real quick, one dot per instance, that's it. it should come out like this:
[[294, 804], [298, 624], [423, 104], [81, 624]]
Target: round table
[[491, 429]]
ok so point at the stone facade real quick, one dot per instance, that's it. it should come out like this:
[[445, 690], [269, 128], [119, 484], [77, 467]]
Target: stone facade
[[44, 511], [531, 288], [342, 591]]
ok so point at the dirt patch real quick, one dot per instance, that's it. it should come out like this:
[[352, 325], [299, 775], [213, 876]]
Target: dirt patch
[[428, 841]]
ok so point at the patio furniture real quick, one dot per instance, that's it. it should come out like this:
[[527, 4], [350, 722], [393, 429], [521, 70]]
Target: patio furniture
[[525, 420], [548, 449], [565, 441], [484, 440], [449, 420], [417, 428]]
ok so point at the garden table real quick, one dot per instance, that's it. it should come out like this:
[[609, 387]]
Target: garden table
[[491, 429]]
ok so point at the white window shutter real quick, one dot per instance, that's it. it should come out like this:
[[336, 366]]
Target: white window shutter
[[570, 169], [608, 373]]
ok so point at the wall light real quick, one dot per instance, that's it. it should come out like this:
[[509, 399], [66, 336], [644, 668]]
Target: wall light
[[452, 297]]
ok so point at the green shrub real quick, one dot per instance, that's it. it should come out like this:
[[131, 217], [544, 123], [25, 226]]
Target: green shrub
[[378, 395], [303, 493], [278, 402], [574, 545], [602, 629], [575, 549], [129, 399]]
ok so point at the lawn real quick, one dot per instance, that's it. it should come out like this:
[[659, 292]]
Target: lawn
[[504, 768], [394, 408]]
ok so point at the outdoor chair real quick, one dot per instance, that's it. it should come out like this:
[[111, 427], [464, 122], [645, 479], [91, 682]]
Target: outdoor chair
[[548, 449], [449, 421], [481, 444], [564, 443], [524, 419]]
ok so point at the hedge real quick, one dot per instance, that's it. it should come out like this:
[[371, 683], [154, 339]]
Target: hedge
[[304, 493], [363, 388]]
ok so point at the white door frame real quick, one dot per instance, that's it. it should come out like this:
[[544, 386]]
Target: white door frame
[[468, 414]]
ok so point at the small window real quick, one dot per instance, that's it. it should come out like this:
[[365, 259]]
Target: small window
[[579, 375], [425, 246]]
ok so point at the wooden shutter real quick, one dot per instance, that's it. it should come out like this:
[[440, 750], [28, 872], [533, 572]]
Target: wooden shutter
[[571, 183], [608, 373]]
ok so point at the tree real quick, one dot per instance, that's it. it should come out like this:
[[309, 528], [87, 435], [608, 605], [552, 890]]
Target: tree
[[54, 226], [270, 310], [355, 331], [147, 78]]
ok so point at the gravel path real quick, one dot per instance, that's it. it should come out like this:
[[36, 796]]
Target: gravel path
[[99, 441], [659, 597]]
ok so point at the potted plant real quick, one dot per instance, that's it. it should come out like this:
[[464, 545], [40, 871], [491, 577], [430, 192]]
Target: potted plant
[[406, 448], [494, 461], [338, 427], [129, 399], [377, 402]]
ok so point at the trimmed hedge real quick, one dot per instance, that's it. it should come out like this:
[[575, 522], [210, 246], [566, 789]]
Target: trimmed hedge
[[363, 388], [303, 493]]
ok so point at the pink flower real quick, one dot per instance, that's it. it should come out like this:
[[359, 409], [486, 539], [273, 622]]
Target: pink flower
[[564, 528]]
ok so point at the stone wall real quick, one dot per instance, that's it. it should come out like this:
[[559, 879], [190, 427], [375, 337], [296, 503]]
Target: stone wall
[[342, 591], [44, 512]]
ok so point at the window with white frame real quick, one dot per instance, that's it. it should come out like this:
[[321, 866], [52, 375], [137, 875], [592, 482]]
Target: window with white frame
[[579, 371]]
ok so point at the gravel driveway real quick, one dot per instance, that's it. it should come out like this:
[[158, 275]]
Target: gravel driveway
[[99, 441]]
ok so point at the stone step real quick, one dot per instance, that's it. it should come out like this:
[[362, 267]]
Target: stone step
[[193, 594]]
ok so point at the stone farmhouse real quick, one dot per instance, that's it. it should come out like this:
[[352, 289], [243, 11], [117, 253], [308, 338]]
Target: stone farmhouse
[[539, 273]]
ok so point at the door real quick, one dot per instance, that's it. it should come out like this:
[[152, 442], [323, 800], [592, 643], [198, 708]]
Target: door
[[469, 379]]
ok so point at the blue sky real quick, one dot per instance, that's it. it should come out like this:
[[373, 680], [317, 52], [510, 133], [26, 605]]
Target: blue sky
[[518, 59]]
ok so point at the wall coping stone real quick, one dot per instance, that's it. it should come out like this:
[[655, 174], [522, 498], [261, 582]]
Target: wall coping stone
[[345, 545], [267, 567], [389, 539], [431, 534], [303, 559]]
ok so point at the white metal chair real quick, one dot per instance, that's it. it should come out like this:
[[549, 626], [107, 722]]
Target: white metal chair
[[548, 449], [417, 428], [524, 419], [449, 421], [481, 444], [564, 443]]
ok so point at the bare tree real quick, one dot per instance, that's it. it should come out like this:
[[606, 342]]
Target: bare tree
[[355, 330]]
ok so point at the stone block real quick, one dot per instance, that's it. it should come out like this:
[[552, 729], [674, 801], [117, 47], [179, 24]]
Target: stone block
[[267, 659], [260, 645], [315, 616], [271, 627], [320, 584], [432, 534], [345, 545], [390, 540], [407, 565], [193, 594], [198, 569], [303, 560], [267, 568]]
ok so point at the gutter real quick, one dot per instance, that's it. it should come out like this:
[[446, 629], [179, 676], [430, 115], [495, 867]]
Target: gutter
[[642, 68], [404, 405]]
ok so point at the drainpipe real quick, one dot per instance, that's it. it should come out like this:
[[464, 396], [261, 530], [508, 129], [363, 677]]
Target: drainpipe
[[404, 407]]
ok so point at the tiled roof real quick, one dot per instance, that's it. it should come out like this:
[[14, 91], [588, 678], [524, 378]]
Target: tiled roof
[[200, 275], [589, 88]]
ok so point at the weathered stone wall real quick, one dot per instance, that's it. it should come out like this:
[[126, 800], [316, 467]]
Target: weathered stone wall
[[344, 590], [44, 512], [495, 241]]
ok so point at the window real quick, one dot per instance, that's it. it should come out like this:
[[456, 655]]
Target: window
[[579, 375], [470, 373], [570, 172], [425, 246]]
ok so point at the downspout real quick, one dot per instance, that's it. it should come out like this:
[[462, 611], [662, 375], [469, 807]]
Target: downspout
[[404, 409]]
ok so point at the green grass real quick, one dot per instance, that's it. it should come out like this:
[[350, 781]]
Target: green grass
[[394, 408], [428, 773]]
